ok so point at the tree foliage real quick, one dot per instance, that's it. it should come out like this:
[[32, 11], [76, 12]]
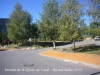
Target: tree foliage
[[94, 12], [70, 19], [18, 27], [95, 29], [34, 31], [48, 23]]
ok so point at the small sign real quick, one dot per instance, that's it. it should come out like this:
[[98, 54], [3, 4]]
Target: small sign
[[30, 40]]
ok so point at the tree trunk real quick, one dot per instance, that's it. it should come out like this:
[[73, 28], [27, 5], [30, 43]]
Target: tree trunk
[[74, 44], [54, 44], [8, 43], [45, 38], [17, 43], [34, 41], [22, 42]]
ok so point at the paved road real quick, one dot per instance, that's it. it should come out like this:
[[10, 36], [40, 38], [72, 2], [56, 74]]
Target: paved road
[[81, 43], [31, 63]]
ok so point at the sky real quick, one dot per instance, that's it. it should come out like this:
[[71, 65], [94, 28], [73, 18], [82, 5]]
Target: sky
[[34, 7]]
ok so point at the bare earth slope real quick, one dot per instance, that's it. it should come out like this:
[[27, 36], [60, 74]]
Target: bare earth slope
[[86, 58]]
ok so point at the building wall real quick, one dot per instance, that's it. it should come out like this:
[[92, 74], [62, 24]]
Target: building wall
[[3, 22]]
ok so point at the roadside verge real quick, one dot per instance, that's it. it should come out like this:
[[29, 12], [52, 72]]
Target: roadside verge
[[77, 58]]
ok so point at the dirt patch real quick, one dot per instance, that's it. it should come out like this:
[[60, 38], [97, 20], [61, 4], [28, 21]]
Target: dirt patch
[[80, 57], [5, 49]]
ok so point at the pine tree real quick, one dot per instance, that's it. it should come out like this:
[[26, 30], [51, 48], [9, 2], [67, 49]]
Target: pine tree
[[48, 23], [69, 20], [19, 25]]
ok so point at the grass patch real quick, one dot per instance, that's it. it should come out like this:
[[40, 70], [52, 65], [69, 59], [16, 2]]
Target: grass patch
[[87, 48], [14, 46], [97, 52], [69, 49]]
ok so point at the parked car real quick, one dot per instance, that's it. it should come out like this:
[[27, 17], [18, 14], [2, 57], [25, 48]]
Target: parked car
[[96, 38]]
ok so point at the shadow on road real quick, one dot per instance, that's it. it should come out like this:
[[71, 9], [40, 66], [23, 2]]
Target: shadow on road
[[97, 73]]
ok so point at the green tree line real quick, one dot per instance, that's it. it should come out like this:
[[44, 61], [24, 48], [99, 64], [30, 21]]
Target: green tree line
[[60, 21]]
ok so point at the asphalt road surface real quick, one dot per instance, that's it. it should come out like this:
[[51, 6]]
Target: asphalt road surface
[[29, 62], [81, 43]]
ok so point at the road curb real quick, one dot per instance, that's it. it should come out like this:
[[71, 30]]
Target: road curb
[[17, 50], [21, 50], [75, 62]]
